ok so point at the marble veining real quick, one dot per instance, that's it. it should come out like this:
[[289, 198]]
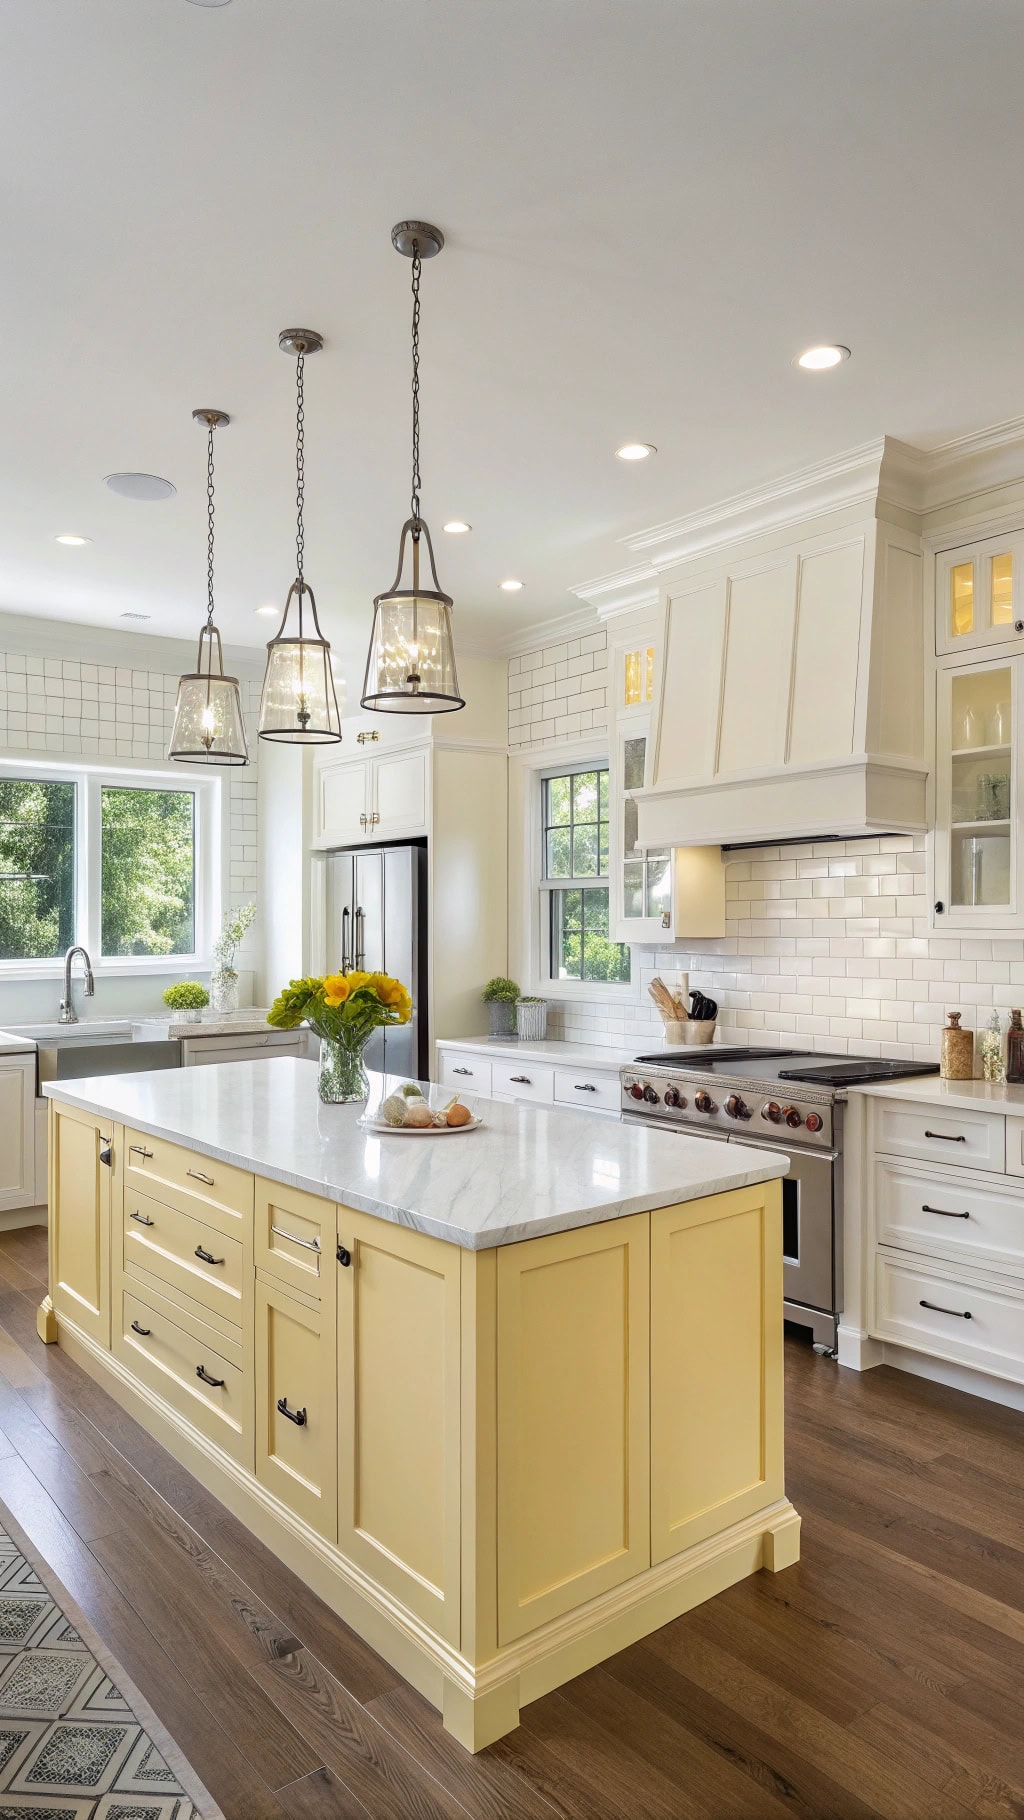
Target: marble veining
[[527, 1171]]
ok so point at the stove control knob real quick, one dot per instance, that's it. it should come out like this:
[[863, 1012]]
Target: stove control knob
[[814, 1121], [637, 1090], [673, 1097], [704, 1102], [772, 1111], [650, 1095], [736, 1107], [792, 1117]]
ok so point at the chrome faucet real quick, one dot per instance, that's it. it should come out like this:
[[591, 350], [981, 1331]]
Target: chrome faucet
[[68, 1015]]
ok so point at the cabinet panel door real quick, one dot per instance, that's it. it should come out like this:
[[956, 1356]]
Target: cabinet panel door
[[399, 1413], [758, 660], [296, 1371], [716, 1364], [831, 584], [573, 1419], [979, 594], [977, 845], [17, 1132], [694, 633], [80, 1212], [400, 794], [342, 801]]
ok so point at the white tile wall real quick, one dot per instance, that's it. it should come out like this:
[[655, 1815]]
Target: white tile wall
[[828, 943], [559, 692]]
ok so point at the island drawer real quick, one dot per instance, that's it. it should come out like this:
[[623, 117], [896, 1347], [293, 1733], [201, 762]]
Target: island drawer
[[188, 1254], [179, 1360], [295, 1238], [523, 1081], [944, 1314], [198, 1184], [974, 1140], [588, 1092], [466, 1073], [938, 1211]]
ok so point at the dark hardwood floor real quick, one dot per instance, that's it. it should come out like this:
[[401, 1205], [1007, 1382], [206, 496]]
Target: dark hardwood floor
[[882, 1676]]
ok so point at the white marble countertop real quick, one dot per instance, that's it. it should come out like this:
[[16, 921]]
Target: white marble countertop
[[560, 1054], [963, 1096], [13, 1044], [250, 1022], [526, 1171]]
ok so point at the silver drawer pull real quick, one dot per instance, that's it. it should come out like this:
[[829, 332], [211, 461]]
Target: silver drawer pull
[[945, 1213], [298, 1416], [198, 1176], [142, 1218], [944, 1137], [145, 1331], [462, 1070], [962, 1314], [521, 1080], [218, 1383], [307, 1244], [138, 1150], [207, 1256], [584, 1087]]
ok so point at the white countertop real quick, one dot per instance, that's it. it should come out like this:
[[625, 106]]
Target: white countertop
[[250, 1022], [12, 1044], [563, 1055], [153, 1025], [526, 1171], [963, 1096]]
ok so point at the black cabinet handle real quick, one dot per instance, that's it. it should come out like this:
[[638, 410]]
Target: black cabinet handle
[[962, 1314], [218, 1383], [207, 1256], [298, 1416], [462, 1070], [145, 1331], [344, 1256], [522, 1080], [106, 1152], [142, 1218], [584, 1087], [945, 1138], [944, 1213]]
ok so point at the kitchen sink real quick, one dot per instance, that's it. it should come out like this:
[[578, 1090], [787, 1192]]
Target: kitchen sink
[[76, 1057]]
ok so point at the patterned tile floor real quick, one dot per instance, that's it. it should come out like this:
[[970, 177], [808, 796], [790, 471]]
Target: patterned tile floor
[[70, 1746]]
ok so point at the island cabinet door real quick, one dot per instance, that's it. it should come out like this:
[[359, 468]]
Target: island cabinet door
[[572, 1419], [399, 1413], [297, 1404], [82, 1171], [716, 1364]]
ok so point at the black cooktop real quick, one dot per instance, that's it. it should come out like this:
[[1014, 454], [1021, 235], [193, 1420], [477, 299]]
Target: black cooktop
[[856, 1073], [771, 1064]]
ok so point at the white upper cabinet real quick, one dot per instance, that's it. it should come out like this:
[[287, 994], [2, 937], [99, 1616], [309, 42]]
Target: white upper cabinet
[[342, 800], [979, 852], [360, 798], [979, 594]]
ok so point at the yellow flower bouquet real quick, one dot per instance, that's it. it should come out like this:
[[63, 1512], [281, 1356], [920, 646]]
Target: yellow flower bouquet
[[343, 1009]]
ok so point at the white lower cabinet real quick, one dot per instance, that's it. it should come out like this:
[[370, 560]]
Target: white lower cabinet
[[523, 1081], [466, 1073], [964, 1319], [17, 1133], [497, 1077]]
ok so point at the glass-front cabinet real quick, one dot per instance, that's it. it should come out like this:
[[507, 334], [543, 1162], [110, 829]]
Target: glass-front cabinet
[[980, 593], [977, 850]]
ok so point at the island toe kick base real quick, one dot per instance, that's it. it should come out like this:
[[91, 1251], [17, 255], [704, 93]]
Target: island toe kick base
[[498, 1466]]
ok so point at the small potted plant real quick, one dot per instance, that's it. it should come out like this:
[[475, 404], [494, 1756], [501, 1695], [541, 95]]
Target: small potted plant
[[500, 995], [532, 1019], [224, 979], [189, 998]]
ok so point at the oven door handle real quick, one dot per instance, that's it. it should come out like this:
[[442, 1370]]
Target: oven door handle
[[808, 1150]]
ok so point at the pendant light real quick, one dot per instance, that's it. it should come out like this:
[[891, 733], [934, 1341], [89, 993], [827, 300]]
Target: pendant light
[[208, 728], [299, 705], [410, 668]]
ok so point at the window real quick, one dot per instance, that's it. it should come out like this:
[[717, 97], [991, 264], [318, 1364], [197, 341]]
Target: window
[[123, 862], [575, 874]]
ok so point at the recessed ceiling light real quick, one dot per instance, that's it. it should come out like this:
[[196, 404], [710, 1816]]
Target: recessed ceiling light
[[276, 611], [817, 360], [456, 526], [511, 587], [210, 2], [139, 486], [136, 615], [71, 537], [636, 451]]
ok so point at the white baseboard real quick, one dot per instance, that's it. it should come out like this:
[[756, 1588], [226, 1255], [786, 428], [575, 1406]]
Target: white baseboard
[[857, 1349], [958, 1377], [14, 1217]]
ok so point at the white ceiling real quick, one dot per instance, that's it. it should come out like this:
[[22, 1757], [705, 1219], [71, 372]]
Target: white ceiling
[[651, 206]]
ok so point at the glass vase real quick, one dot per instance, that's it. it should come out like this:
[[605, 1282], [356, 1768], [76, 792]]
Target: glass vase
[[224, 991], [343, 1078]]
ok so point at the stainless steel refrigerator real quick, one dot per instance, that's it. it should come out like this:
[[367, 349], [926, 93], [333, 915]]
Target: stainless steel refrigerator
[[376, 920]]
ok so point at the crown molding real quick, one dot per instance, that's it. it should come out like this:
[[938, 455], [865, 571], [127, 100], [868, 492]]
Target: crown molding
[[544, 632], [33, 636]]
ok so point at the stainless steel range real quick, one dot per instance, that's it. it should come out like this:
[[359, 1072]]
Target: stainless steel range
[[783, 1098]]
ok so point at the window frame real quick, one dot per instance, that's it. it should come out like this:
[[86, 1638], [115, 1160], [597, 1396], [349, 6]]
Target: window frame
[[210, 855]]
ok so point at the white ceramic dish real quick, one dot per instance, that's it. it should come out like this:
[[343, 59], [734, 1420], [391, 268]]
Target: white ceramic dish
[[375, 1124]]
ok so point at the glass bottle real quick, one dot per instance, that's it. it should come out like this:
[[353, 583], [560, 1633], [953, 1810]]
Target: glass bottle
[[991, 1048], [956, 1055], [1015, 1049]]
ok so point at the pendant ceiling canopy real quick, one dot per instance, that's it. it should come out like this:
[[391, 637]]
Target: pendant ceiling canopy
[[410, 667], [208, 728]]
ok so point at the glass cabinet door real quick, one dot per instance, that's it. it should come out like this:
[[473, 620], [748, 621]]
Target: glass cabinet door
[[980, 594], [646, 877], [980, 792]]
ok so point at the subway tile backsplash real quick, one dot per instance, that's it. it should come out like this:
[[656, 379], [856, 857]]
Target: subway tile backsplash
[[827, 943]]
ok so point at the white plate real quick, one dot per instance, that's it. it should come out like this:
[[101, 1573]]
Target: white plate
[[374, 1124]]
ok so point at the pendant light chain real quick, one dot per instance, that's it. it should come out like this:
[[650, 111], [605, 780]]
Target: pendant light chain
[[209, 525], [416, 480], [300, 463]]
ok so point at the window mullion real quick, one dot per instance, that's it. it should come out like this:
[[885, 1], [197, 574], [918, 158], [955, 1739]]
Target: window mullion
[[89, 932]]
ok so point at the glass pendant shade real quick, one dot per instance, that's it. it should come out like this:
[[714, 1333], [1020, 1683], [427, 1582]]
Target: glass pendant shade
[[299, 705], [208, 728], [410, 668]]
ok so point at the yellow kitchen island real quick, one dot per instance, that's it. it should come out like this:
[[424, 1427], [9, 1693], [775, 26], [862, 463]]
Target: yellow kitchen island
[[508, 1399]]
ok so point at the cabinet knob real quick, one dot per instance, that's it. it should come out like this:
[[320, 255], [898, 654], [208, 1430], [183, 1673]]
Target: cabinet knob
[[344, 1256], [1018, 625], [939, 907], [106, 1154]]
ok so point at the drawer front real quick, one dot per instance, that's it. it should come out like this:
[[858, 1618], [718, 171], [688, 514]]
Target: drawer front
[[189, 1255], [1015, 1146], [197, 1184], [295, 1238], [588, 1092], [974, 1140], [168, 1358], [466, 1074], [524, 1081], [944, 1315], [936, 1212]]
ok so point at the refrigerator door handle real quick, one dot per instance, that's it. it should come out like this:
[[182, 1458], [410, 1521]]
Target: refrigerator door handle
[[360, 927], [346, 913]]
